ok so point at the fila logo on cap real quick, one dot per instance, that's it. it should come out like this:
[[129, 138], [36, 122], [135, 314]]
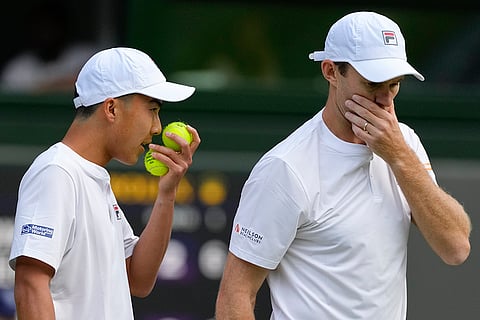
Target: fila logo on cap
[[389, 38]]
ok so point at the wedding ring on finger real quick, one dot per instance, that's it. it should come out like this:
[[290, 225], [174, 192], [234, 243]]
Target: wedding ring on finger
[[365, 126]]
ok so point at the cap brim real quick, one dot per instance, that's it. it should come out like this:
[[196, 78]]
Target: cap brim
[[380, 70], [168, 91]]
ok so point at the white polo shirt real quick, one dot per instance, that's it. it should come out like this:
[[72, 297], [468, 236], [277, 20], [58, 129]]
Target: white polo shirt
[[67, 216], [328, 218]]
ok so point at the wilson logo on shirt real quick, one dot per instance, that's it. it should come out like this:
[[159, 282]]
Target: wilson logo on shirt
[[248, 234], [37, 230]]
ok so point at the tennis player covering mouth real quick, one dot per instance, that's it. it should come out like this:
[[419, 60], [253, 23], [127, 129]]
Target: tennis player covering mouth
[[324, 216]]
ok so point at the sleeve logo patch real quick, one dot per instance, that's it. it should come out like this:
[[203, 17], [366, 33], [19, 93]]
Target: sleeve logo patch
[[248, 234], [37, 230]]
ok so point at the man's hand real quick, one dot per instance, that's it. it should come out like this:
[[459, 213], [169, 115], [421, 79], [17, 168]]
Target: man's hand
[[377, 126]]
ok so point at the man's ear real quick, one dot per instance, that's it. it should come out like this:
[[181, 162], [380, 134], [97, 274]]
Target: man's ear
[[109, 108], [329, 71]]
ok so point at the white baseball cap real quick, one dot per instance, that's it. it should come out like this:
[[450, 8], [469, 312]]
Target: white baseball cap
[[372, 43], [115, 72]]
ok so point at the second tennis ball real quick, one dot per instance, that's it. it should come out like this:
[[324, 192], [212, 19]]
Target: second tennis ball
[[178, 128], [154, 166]]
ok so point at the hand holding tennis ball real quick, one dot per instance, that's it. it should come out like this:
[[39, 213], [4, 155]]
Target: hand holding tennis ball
[[156, 167], [178, 128]]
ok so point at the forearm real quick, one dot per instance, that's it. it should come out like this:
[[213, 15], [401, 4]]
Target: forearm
[[33, 300], [238, 289], [143, 265], [439, 217], [31, 305], [234, 308], [235, 301], [151, 247]]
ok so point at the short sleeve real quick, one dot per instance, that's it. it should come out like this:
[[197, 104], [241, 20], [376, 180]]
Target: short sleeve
[[45, 216], [268, 215]]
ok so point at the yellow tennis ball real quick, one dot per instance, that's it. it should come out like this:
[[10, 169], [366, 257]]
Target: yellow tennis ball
[[178, 128], [154, 166]]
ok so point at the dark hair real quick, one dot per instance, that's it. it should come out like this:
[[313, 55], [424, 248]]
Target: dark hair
[[342, 67], [85, 112]]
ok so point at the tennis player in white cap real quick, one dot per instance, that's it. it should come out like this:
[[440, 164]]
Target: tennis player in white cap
[[74, 253], [324, 216]]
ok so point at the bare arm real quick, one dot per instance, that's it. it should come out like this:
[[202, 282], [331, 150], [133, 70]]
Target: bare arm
[[440, 218], [32, 291], [143, 265], [238, 289]]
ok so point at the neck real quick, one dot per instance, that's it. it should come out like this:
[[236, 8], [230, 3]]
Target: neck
[[336, 122], [84, 138]]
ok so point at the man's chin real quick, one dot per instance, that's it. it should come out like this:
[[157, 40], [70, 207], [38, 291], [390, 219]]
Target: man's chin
[[128, 162]]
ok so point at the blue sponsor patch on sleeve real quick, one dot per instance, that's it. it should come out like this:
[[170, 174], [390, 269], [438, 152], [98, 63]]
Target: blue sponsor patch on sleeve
[[37, 230]]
